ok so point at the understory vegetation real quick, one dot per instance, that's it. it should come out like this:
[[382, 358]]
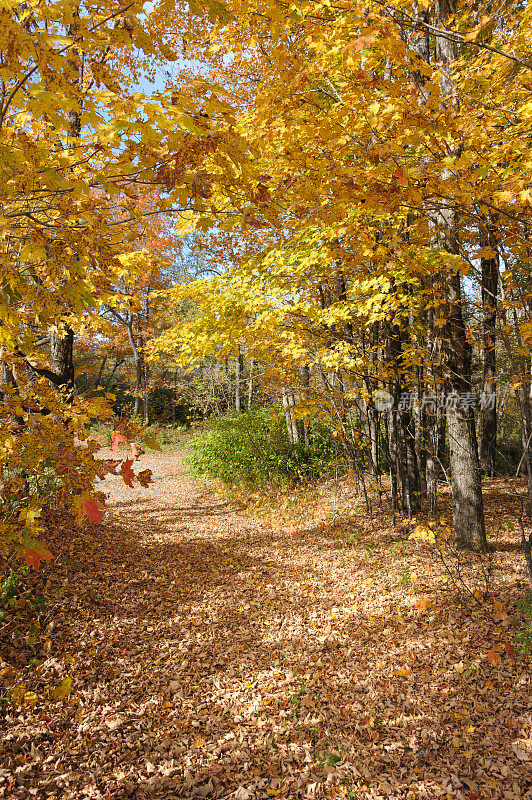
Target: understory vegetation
[[254, 449]]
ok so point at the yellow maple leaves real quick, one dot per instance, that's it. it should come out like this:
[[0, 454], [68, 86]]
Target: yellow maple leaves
[[77, 140], [354, 152]]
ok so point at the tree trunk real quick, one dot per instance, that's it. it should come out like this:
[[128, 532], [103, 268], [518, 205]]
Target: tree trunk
[[100, 372], [419, 428], [431, 415], [239, 369], [250, 383], [523, 400], [146, 397], [412, 470], [392, 447], [303, 424], [468, 507], [174, 397], [404, 427], [61, 356], [488, 406], [291, 424], [62, 340], [431, 467], [6, 375], [370, 415], [524, 410], [372, 419], [138, 360], [137, 402]]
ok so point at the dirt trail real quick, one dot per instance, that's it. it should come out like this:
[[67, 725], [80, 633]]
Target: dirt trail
[[210, 657]]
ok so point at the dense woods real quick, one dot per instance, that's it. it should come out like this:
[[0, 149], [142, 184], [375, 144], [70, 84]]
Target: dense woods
[[294, 237], [383, 238]]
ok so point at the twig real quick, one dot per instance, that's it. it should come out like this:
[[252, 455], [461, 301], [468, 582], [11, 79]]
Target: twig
[[527, 548]]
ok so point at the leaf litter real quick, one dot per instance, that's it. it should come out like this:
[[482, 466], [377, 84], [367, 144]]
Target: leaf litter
[[195, 651]]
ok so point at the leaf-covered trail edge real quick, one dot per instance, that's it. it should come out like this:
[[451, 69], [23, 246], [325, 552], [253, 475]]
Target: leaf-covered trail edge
[[214, 656]]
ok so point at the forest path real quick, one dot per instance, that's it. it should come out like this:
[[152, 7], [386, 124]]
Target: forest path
[[211, 657]]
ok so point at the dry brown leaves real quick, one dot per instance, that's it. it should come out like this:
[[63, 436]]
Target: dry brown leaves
[[193, 651]]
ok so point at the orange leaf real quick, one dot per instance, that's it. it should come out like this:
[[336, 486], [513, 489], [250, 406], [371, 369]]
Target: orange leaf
[[500, 613], [493, 657], [361, 43], [34, 555], [127, 473], [403, 672], [423, 604], [400, 176], [116, 439]]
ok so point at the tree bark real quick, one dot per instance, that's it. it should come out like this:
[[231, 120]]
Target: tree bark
[[146, 394], [527, 548], [303, 424], [250, 383], [291, 424], [392, 448], [239, 369], [137, 358], [468, 506], [370, 414], [62, 340], [61, 356], [403, 427], [488, 409], [522, 391], [6, 375]]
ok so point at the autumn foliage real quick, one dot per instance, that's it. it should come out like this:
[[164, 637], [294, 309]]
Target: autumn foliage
[[383, 230], [372, 219], [314, 214], [78, 143]]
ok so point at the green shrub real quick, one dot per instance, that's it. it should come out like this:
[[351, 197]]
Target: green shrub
[[254, 449]]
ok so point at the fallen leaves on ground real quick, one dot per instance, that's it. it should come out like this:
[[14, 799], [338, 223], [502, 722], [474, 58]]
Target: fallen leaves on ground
[[191, 651]]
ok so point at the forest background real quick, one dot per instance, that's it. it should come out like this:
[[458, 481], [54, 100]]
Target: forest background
[[293, 240]]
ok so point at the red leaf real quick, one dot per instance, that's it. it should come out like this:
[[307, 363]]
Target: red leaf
[[494, 658], [144, 477], [510, 649], [33, 557], [116, 439], [127, 473], [92, 510]]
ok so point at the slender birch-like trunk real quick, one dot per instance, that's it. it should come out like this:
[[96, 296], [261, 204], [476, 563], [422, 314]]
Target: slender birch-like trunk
[[138, 361], [250, 382], [239, 370], [291, 423]]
